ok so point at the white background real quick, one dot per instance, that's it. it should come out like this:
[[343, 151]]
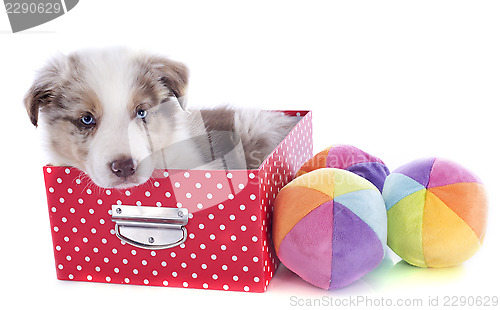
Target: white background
[[401, 80]]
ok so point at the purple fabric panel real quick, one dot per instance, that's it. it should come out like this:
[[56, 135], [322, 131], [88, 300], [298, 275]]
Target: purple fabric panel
[[356, 248], [445, 172], [373, 172], [307, 248], [343, 156], [419, 170]]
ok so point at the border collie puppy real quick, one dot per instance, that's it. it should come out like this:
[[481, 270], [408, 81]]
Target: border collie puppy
[[117, 115]]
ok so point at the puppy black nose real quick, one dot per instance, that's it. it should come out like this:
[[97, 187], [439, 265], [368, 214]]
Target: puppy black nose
[[123, 167]]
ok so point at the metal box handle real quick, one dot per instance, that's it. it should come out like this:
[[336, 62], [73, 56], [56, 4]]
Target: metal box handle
[[150, 228]]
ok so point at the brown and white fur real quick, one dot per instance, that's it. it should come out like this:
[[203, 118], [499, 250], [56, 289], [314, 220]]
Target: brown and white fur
[[118, 115]]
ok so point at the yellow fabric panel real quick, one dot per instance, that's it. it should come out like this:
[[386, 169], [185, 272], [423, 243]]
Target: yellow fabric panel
[[347, 182], [322, 180], [447, 239]]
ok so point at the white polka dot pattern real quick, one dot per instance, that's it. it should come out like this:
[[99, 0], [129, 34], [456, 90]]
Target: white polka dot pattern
[[229, 243]]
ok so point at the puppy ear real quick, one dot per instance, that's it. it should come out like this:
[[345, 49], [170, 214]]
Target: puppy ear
[[42, 92], [173, 75]]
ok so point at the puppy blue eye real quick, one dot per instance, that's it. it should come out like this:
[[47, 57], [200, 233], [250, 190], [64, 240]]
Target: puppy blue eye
[[142, 113], [88, 120]]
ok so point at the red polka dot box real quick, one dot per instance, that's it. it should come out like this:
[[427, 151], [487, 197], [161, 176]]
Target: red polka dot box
[[206, 229]]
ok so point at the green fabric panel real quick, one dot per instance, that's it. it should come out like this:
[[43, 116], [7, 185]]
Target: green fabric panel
[[404, 228]]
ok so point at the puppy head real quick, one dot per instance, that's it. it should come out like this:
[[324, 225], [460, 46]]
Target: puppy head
[[104, 111]]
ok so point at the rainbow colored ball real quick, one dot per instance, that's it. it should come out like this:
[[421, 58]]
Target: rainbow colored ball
[[349, 158], [436, 213], [330, 227]]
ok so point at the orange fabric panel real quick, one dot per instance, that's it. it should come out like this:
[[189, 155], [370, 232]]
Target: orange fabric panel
[[468, 201], [318, 161], [291, 205]]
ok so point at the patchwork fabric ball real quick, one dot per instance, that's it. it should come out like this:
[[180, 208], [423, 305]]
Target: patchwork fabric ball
[[436, 212], [349, 158], [330, 227]]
